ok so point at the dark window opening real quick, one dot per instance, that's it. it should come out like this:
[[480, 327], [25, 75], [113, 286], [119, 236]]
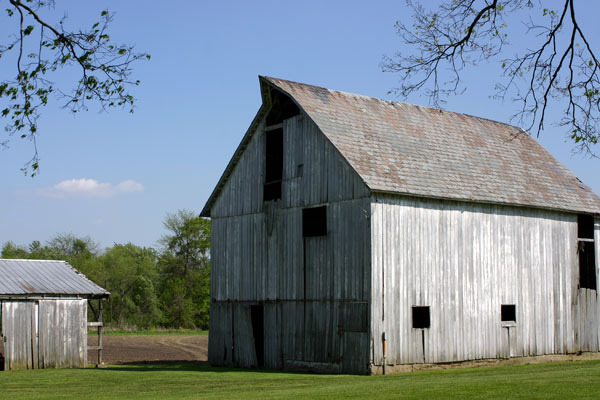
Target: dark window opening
[[586, 251], [508, 313], [273, 164], [420, 316], [314, 221], [257, 314], [282, 107], [585, 226], [587, 265], [272, 191]]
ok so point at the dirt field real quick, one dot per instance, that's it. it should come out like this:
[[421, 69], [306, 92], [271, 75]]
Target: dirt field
[[149, 348]]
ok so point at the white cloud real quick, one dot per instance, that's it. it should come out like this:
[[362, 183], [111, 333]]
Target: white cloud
[[90, 188], [129, 186]]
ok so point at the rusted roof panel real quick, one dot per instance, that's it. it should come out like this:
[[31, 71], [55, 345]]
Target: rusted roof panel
[[407, 149], [22, 278]]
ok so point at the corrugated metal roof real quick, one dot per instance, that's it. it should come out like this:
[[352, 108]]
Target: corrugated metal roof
[[21, 278], [407, 149]]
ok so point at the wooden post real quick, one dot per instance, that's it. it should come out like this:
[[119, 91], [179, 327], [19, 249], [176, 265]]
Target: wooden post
[[100, 363], [383, 339]]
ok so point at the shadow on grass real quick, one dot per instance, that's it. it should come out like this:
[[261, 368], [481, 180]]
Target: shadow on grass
[[187, 366]]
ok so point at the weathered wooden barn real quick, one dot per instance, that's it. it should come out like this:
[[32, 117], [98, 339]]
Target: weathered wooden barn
[[349, 233], [44, 307]]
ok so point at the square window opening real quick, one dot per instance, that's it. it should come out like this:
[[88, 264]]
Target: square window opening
[[420, 317], [314, 221], [585, 226], [508, 313]]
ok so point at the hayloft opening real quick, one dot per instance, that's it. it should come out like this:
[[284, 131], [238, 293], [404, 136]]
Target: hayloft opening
[[586, 251], [508, 313], [314, 221], [420, 317], [273, 164], [282, 107]]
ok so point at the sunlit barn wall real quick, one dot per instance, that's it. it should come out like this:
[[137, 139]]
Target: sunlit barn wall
[[464, 261]]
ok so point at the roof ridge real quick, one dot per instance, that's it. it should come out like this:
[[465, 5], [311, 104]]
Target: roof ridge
[[428, 108]]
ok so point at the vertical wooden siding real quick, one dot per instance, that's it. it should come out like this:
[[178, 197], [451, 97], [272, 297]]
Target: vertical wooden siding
[[464, 261], [243, 191], [45, 333], [19, 328], [258, 255], [63, 333]]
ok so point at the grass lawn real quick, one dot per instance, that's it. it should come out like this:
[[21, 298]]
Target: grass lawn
[[186, 381]]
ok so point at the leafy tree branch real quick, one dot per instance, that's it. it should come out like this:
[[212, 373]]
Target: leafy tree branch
[[559, 65], [104, 67]]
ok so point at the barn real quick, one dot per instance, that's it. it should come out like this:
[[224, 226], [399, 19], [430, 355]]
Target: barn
[[44, 307], [352, 234]]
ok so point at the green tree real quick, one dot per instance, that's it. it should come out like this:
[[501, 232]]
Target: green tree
[[184, 266], [40, 47], [11, 250], [63, 246], [129, 273], [556, 64]]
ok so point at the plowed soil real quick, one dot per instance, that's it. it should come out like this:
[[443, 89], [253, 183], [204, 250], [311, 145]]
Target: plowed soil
[[149, 348]]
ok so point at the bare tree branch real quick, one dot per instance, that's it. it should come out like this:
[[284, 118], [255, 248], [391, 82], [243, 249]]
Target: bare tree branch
[[462, 33]]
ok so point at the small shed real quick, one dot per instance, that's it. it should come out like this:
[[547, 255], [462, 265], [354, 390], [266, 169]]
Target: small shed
[[43, 309]]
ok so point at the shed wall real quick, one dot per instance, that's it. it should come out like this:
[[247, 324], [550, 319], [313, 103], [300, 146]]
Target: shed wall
[[45, 333], [464, 261], [314, 291]]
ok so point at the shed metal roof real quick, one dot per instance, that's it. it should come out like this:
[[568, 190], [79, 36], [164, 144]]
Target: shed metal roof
[[407, 149], [30, 278]]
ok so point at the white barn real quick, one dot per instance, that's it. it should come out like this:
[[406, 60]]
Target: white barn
[[351, 233]]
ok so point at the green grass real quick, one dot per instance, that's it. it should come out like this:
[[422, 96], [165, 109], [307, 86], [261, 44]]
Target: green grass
[[186, 381], [117, 332]]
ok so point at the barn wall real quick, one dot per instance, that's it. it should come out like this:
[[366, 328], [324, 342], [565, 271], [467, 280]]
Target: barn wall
[[45, 333], [464, 261], [314, 291]]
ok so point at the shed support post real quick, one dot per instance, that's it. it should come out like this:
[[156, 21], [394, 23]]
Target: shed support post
[[100, 363]]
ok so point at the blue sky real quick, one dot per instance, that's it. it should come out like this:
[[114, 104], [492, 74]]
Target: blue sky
[[114, 176]]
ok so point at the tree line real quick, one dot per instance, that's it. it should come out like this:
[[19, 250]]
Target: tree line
[[168, 287]]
